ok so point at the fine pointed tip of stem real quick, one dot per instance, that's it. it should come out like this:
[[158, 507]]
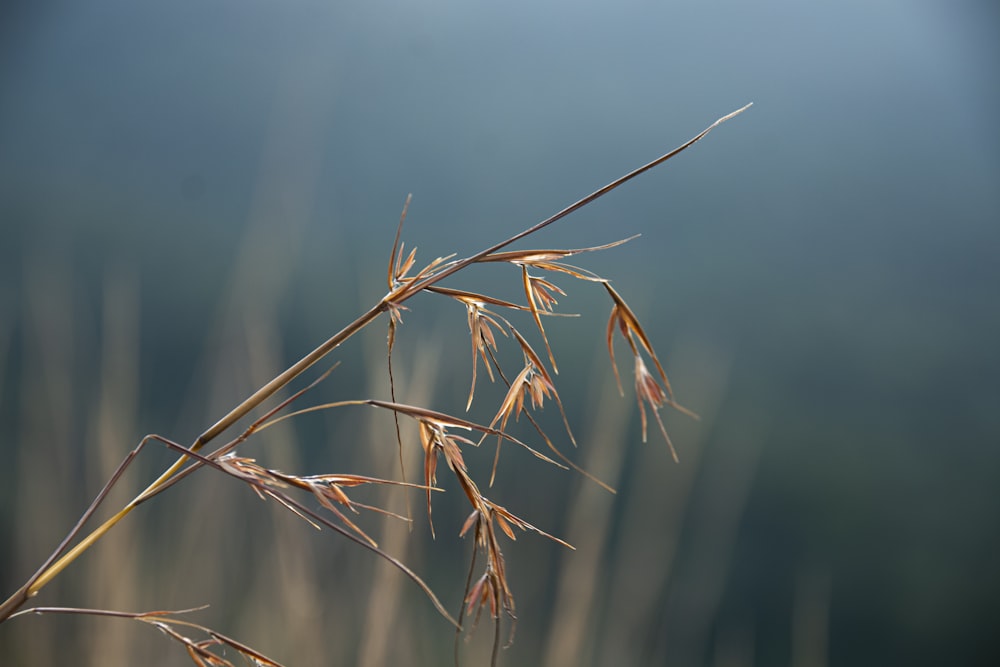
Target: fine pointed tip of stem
[[685, 411], [731, 115]]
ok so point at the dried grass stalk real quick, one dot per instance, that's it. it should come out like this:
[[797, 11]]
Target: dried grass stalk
[[440, 434]]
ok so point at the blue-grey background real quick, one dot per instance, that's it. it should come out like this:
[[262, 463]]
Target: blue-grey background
[[831, 254]]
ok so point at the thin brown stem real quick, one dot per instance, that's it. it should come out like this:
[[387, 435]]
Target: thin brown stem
[[593, 196]]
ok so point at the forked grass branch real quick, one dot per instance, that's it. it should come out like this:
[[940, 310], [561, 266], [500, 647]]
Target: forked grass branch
[[439, 432]]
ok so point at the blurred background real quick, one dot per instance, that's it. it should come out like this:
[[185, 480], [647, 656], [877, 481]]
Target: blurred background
[[195, 194]]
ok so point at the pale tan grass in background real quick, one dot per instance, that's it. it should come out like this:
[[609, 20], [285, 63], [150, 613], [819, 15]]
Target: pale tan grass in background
[[811, 617], [45, 470], [695, 595], [601, 602], [578, 594], [115, 412]]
